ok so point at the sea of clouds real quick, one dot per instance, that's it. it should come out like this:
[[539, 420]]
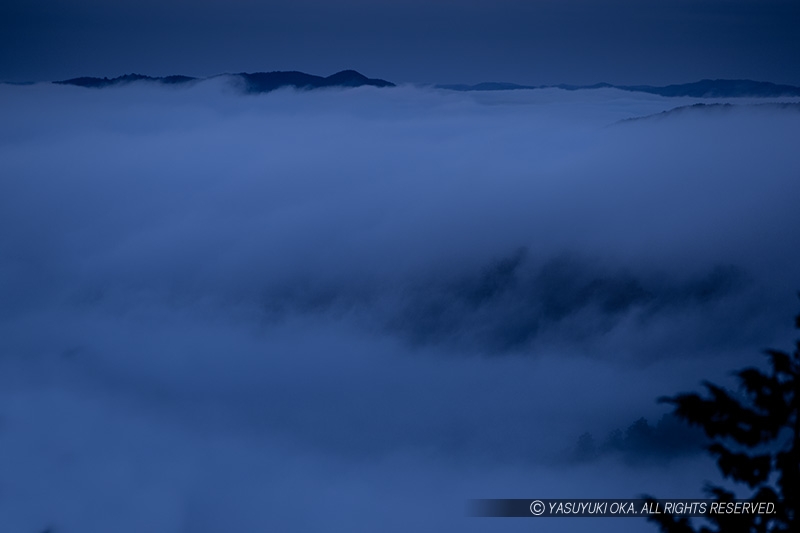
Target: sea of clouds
[[352, 310]]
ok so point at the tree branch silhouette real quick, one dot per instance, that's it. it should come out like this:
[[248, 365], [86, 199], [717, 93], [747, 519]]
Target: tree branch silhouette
[[755, 438]]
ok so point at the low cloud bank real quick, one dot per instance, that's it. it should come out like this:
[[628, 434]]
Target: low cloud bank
[[214, 305]]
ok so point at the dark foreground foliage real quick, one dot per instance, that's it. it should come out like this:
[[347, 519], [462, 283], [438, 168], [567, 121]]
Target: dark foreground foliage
[[755, 438]]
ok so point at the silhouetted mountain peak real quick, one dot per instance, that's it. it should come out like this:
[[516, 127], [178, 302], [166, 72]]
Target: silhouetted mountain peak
[[268, 81], [347, 75]]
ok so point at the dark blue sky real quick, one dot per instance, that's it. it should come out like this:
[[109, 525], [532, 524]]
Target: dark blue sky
[[570, 41]]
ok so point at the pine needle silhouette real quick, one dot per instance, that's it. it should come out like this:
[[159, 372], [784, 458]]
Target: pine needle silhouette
[[755, 438]]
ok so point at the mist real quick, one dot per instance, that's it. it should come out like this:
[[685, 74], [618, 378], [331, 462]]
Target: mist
[[355, 309]]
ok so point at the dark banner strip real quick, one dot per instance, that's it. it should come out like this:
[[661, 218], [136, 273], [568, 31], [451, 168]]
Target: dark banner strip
[[640, 508]]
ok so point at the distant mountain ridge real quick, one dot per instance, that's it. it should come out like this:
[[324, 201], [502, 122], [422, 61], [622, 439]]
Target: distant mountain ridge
[[260, 82], [88, 81], [714, 107], [698, 89], [257, 82]]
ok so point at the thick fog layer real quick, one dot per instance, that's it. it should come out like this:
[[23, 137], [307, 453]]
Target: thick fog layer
[[352, 310]]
